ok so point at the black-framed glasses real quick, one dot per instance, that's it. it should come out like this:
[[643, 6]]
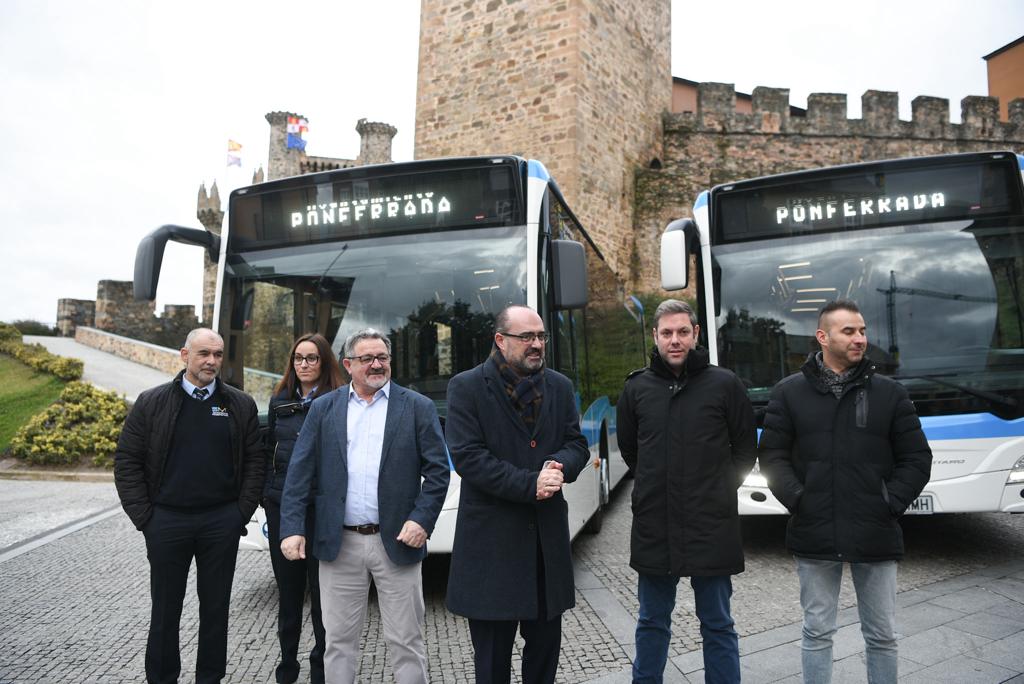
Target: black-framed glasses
[[528, 337], [367, 359], [311, 359]]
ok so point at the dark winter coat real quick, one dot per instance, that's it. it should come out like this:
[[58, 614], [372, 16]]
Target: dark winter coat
[[285, 416], [689, 441], [845, 468], [145, 442], [500, 521]]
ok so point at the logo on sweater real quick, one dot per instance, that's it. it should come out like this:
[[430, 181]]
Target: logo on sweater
[[219, 411]]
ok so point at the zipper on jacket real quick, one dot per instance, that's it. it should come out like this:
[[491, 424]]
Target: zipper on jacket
[[861, 408]]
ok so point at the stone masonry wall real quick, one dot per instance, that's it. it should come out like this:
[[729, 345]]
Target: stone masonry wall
[[717, 145], [577, 84], [72, 313], [118, 312]]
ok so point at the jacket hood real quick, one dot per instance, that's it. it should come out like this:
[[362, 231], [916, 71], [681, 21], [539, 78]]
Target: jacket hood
[[697, 360]]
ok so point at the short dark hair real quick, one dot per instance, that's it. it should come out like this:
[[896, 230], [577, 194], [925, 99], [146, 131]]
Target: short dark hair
[[674, 306], [837, 305]]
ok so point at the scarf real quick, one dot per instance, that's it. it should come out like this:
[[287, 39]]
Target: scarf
[[835, 382], [525, 392]]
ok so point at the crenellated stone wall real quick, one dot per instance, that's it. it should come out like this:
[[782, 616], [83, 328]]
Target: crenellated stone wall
[[72, 313], [717, 145], [118, 312]]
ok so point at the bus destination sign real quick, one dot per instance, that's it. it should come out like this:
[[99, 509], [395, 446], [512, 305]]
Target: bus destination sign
[[374, 209], [343, 205], [846, 199], [813, 211]]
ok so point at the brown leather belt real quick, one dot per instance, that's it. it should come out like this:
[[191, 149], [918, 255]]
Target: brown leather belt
[[363, 529]]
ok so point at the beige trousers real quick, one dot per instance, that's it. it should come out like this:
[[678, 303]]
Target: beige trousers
[[344, 590]]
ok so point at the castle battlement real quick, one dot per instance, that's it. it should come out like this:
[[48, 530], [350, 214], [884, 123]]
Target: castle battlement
[[826, 116]]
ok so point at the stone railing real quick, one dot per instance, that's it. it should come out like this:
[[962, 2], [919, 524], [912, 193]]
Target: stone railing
[[154, 356], [259, 384]]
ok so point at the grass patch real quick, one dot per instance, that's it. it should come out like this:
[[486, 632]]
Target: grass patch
[[24, 392]]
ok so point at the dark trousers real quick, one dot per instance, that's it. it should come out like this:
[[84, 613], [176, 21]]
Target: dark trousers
[[292, 579], [492, 649], [173, 538]]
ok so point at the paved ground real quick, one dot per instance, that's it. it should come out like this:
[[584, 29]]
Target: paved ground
[[102, 369], [74, 603]]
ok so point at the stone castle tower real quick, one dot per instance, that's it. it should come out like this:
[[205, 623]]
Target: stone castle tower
[[580, 85]]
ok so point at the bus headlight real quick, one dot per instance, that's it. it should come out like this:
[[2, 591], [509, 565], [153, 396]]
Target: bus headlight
[[1017, 472], [756, 479]]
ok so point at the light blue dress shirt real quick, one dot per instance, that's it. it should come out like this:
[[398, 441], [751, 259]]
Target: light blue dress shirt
[[365, 443], [189, 387]]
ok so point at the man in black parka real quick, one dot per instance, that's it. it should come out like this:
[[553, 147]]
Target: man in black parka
[[514, 436], [189, 469], [843, 450], [686, 430]]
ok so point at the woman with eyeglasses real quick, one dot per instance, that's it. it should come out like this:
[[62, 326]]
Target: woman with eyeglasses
[[312, 372]]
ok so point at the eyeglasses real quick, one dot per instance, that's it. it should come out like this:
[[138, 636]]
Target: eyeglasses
[[311, 359], [529, 337], [367, 359]]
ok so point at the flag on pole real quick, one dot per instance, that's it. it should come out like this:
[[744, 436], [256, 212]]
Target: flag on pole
[[296, 127], [234, 154]]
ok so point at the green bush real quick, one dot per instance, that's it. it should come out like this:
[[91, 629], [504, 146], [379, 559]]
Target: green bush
[[9, 333], [36, 356], [84, 423], [30, 327]]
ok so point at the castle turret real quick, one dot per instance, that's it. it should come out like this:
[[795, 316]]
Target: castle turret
[[284, 162], [375, 142], [210, 214]]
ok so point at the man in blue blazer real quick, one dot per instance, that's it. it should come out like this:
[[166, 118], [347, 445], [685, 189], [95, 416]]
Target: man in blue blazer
[[514, 435], [359, 460]]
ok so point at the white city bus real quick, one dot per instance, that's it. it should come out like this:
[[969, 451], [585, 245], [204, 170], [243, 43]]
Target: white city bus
[[932, 250], [427, 252]]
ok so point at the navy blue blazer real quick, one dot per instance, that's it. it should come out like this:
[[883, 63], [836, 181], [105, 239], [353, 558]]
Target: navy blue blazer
[[413, 448], [501, 525]]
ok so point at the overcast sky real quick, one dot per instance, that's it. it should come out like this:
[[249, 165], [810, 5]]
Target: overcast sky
[[116, 111]]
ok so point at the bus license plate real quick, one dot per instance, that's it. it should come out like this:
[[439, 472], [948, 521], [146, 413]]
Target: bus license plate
[[922, 505]]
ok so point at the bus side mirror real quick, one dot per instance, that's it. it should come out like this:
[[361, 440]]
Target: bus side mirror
[[570, 274], [675, 256], [150, 255]]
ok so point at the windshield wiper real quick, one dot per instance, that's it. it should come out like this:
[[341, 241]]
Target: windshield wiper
[[990, 397]]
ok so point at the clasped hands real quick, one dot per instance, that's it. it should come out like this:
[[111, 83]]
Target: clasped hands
[[549, 480]]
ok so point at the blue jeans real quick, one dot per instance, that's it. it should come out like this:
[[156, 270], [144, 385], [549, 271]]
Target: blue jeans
[[711, 595], [875, 584]]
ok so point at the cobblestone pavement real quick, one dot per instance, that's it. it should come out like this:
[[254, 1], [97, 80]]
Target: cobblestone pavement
[[76, 609]]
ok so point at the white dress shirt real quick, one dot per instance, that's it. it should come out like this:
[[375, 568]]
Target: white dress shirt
[[365, 442]]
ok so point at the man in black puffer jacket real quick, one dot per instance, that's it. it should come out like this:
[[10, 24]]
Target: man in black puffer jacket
[[843, 450], [686, 430], [188, 470]]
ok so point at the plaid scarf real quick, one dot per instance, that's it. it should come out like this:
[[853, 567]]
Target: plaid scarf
[[835, 382], [525, 392]]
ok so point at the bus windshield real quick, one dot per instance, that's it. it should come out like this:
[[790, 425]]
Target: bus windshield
[[942, 303], [434, 295]]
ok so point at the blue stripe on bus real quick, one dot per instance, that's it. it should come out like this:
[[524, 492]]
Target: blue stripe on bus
[[590, 423], [534, 169], [1020, 161], [702, 200], [965, 426], [971, 426]]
